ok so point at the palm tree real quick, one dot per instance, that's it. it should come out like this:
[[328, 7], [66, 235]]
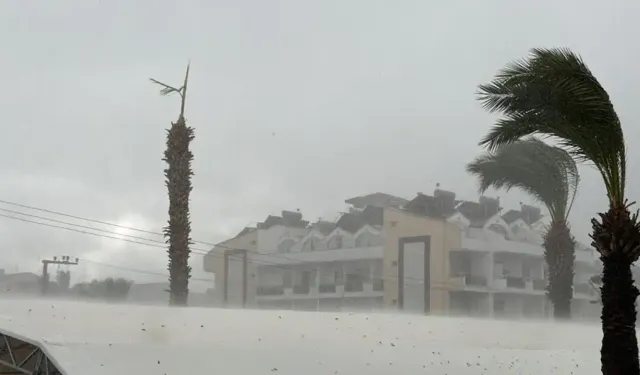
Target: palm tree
[[178, 180], [553, 93], [550, 175]]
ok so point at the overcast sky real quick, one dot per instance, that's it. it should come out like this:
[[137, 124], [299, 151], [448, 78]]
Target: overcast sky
[[296, 104]]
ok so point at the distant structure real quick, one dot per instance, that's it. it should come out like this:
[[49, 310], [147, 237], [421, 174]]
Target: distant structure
[[23, 283], [431, 254], [64, 260], [376, 200]]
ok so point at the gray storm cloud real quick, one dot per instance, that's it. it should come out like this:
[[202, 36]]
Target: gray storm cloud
[[296, 104]]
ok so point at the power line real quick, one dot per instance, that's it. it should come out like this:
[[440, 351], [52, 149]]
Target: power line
[[91, 220], [154, 243], [117, 226], [162, 245], [79, 231], [194, 250], [262, 262], [135, 270], [79, 225]]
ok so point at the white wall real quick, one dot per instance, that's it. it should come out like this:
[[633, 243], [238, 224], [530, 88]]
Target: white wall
[[269, 239], [235, 281]]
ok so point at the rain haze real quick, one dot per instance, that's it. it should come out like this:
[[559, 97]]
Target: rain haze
[[296, 105]]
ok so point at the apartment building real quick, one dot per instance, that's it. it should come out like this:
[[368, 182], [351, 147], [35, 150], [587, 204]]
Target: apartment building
[[432, 254]]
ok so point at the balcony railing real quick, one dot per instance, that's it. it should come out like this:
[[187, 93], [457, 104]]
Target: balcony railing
[[301, 289], [539, 284], [464, 279], [354, 286], [327, 288], [270, 290], [473, 280], [515, 282]]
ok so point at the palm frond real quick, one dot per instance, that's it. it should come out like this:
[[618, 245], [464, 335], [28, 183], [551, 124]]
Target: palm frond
[[166, 89], [182, 91], [547, 173], [554, 94]]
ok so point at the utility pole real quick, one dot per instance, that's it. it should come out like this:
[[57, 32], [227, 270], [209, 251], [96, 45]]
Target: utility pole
[[65, 260]]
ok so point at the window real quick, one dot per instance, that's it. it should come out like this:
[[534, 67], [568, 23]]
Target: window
[[336, 242]]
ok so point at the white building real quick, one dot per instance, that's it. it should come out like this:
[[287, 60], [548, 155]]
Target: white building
[[431, 254]]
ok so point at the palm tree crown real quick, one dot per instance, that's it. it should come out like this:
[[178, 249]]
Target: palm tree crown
[[553, 93], [545, 172]]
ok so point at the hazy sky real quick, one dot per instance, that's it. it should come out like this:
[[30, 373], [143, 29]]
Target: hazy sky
[[296, 104]]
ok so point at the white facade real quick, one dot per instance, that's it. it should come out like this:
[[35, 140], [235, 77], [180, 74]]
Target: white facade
[[499, 270], [507, 272], [304, 269]]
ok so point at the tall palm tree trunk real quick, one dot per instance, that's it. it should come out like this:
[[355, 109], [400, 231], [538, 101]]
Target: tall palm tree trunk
[[559, 253], [617, 238], [178, 180]]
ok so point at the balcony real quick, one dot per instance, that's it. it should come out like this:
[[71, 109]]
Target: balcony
[[469, 280], [475, 241], [301, 289], [473, 280], [327, 288], [515, 282], [540, 285], [354, 286], [270, 291]]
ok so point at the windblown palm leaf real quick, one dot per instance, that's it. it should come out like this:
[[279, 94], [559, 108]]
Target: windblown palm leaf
[[553, 93], [166, 89], [547, 173]]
